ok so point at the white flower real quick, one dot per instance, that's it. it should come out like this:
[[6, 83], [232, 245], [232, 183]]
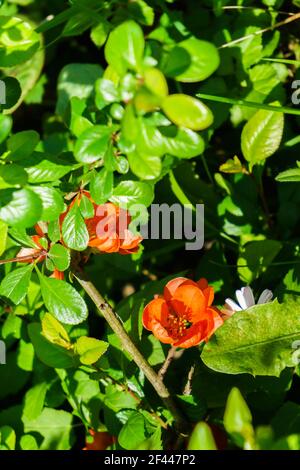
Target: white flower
[[245, 299]]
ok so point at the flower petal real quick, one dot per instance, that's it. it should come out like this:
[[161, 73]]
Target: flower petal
[[248, 296], [265, 297], [194, 335], [172, 285], [189, 299], [241, 300], [232, 305]]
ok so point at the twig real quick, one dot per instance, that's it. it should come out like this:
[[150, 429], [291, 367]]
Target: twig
[[112, 319], [166, 364], [261, 31], [188, 387]]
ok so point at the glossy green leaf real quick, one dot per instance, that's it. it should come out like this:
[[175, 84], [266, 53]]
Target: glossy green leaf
[[125, 47], [16, 283], [74, 231], [22, 144], [22, 208], [63, 300], [289, 176], [54, 332], [92, 144], [52, 202], [18, 41], [243, 343], [186, 111], [261, 136], [192, 60], [128, 193], [13, 174], [146, 167], [60, 257], [50, 354], [90, 349], [101, 186]]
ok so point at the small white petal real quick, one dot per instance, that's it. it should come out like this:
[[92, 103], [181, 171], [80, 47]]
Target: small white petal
[[248, 296], [232, 305], [265, 297], [241, 300]]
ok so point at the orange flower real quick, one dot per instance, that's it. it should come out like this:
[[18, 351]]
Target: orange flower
[[108, 228], [109, 232], [101, 441], [183, 316]]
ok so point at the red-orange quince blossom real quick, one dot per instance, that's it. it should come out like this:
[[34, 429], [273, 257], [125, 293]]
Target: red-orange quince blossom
[[101, 441], [183, 316], [108, 228], [109, 232]]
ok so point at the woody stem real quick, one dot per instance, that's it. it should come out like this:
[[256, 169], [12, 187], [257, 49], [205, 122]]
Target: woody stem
[[167, 362], [112, 319]]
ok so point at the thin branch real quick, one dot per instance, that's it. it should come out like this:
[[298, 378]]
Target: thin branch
[[24, 259], [112, 319], [166, 364], [188, 386], [261, 31]]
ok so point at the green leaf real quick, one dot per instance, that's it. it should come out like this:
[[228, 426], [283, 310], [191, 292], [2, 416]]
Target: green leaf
[[153, 442], [22, 144], [261, 136], [232, 165], [28, 442], [50, 354], [16, 283], [60, 257], [101, 186], [289, 176], [93, 144], [125, 47], [133, 432], [55, 426], [76, 80], [54, 231], [99, 32], [192, 60], [3, 237], [52, 201], [246, 339], [55, 332], [7, 438], [184, 143], [42, 168], [13, 174], [255, 257], [144, 166], [141, 12], [22, 208], [34, 401], [74, 230], [106, 93], [238, 419], [63, 300], [202, 438], [128, 193], [187, 111], [90, 349], [86, 207], [18, 41], [5, 127]]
